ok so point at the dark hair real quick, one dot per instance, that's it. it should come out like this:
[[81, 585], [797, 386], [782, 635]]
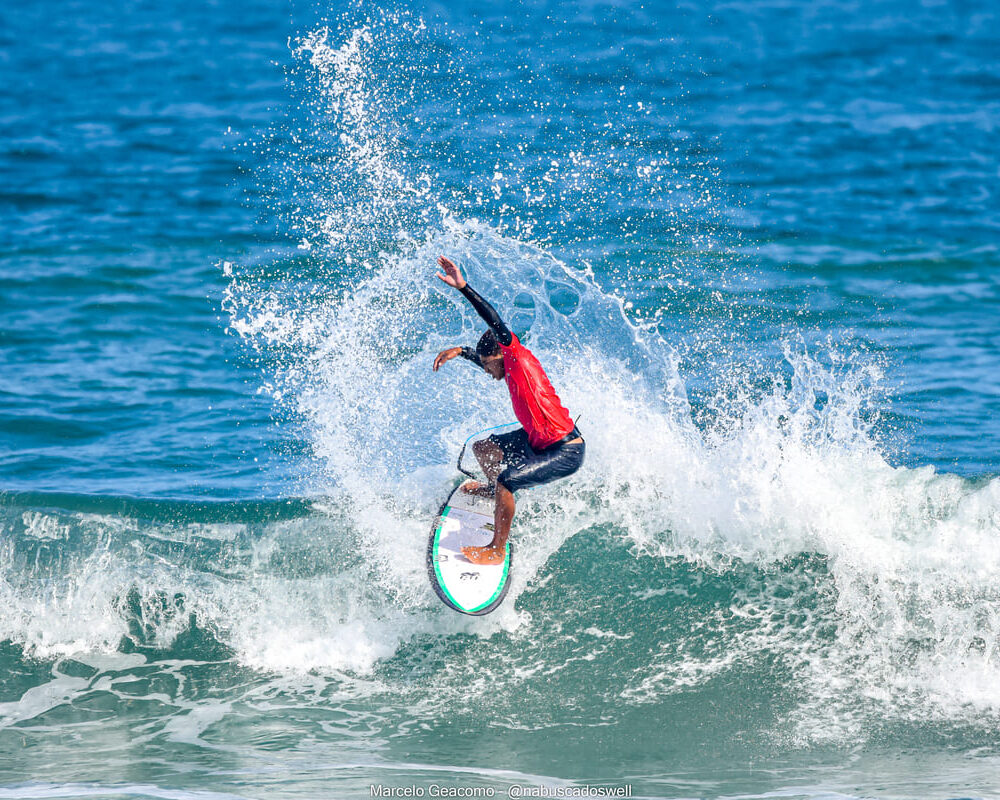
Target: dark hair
[[487, 345]]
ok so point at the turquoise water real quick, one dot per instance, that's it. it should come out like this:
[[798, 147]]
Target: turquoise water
[[755, 245]]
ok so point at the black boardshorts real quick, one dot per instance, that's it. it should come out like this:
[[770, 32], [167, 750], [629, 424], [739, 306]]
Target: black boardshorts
[[526, 466]]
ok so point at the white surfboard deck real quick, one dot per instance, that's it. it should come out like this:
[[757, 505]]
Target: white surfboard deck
[[465, 520]]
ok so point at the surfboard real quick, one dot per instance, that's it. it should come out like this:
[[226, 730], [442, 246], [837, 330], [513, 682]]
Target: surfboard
[[468, 588]]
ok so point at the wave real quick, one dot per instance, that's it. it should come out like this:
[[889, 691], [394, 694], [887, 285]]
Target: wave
[[751, 525], [744, 464], [891, 632]]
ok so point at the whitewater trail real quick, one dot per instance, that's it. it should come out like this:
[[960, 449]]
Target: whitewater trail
[[786, 463], [871, 584]]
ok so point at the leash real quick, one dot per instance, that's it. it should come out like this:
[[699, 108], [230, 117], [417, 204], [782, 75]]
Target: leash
[[473, 436]]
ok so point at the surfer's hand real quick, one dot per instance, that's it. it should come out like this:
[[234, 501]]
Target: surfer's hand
[[453, 275], [446, 355]]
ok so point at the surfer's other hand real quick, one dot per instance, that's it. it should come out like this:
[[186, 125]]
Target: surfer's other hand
[[446, 355], [453, 275]]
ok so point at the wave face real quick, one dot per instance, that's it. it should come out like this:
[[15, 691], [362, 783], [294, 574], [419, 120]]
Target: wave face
[[732, 633], [776, 573]]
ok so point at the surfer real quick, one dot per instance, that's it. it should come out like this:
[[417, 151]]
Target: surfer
[[546, 447]]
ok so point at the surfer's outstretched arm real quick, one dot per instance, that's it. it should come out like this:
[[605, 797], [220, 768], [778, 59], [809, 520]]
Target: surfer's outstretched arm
[[489, 315], [456, 352], [453, 277]]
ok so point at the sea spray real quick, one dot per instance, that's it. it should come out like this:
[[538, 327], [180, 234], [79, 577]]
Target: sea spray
[[758, 472], [763, 269], [718, 530]]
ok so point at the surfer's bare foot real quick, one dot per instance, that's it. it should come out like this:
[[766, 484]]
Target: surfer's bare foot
[[489, 555], [478, 489]]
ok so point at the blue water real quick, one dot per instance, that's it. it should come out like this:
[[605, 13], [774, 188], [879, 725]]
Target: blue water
[[756, 247]]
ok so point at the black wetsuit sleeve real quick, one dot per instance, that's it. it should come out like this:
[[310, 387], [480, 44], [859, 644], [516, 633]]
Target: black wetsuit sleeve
[[489, 315], [470, 355]]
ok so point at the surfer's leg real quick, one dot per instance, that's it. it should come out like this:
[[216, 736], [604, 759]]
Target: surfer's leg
[[503, 515], [490, 457], [522, 473], [493, 453]]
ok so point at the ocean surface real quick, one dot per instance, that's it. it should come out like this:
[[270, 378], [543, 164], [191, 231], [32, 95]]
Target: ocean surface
[[756, 246]]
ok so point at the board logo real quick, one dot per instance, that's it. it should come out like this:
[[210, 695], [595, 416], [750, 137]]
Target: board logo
[[469, 576], [442, 557]]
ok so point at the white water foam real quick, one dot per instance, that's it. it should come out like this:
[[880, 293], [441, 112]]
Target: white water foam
[[912, 554], [780, 471]]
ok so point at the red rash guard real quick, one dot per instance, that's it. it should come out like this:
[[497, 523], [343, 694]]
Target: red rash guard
[[535, 402]]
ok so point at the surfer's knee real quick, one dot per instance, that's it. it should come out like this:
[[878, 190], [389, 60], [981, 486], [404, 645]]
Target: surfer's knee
[[484, 450]]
